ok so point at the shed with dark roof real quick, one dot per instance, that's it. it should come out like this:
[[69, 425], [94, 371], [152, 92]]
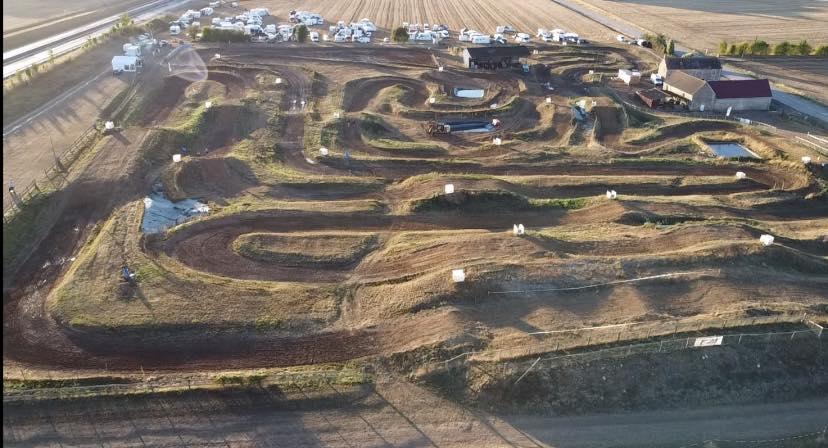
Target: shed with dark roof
[[705, 67], [742, 94], [494, 57]]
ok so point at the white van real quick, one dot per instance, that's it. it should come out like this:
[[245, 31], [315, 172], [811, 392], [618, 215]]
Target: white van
[[175, 29], [522, 38]]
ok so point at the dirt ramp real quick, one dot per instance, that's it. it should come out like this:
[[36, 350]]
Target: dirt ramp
[[213, 178], [609, 123]]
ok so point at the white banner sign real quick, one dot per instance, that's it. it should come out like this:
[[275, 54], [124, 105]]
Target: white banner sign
[[708, 341]]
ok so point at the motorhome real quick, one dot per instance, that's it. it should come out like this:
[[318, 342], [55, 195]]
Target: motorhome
[[481, 39], [259, 12]]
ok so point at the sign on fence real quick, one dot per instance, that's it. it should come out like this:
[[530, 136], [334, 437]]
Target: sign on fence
[[708, 341]]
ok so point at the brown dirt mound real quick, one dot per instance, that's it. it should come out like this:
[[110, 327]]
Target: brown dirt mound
[[203, 90], [358, 93], [212, 178]]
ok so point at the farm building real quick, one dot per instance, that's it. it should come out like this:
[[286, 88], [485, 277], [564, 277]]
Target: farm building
[[630, 77], [494, 57], [653, 98], [747, 94], [707, 68]]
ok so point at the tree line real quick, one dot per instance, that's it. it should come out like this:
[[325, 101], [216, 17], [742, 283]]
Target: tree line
[[762, 48]]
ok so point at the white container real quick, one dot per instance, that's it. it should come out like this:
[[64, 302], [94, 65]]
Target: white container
[[458, 275], [449, 188], [176, 158], [766, 240]]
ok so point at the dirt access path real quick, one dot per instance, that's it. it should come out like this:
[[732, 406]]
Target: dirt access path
[[395, 414]]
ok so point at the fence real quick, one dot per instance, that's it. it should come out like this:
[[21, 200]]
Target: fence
[[285, 379], [55, 176], [537, 343]]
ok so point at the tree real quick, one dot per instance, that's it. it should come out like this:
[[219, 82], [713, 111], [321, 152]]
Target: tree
[[723, 47], [743, 49], [671, 48], [400, 35], [822, 50], [759, 47], [782, 48], [804, 48], [301, 33]]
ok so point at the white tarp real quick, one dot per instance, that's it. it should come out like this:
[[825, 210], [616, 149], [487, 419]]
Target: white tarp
[[708, 341], [458, 275], [469, 93]]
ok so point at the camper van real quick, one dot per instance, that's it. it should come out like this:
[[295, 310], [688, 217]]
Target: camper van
[[122, 64]]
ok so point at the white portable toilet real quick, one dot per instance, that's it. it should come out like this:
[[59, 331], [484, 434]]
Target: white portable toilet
[[449, 188], [458, 275], [766, 240], [323, 151], [741, 175], [176, 158]]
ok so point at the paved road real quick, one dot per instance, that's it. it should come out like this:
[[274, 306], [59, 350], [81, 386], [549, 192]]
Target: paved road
[[19, 59], [390, 415]]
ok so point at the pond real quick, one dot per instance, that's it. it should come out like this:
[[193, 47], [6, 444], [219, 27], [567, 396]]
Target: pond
[[731, 150], [160, 213]]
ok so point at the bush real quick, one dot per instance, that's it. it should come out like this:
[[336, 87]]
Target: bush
[[210, 34], [400, 35], [782, 48], [723, 47], [804, 48], [759, 47], [821, 51]]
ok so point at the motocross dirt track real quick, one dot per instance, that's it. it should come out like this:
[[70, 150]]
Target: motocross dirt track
[[398, 297]]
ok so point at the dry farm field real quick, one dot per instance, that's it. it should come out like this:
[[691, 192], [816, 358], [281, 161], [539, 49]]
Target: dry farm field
[[702, 24], [483, 15], [335, 216]]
